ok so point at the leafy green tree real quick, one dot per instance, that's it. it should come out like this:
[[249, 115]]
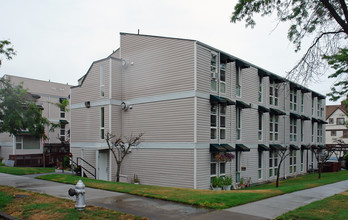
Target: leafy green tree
[[7, 50], [19, 111], [324, 21]]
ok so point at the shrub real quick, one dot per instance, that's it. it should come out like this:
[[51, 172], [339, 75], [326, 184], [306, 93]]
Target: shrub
[[227, 180]]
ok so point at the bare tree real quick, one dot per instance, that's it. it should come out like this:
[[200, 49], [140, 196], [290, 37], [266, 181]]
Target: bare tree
[[121, 148], [282, 154], [322, 155]]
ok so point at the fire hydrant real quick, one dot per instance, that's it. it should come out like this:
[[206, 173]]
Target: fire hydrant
[[79, 192]]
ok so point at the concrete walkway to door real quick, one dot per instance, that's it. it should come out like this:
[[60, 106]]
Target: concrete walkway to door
[[160, 209]]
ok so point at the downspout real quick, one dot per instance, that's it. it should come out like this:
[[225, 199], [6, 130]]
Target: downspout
[[284, 128]]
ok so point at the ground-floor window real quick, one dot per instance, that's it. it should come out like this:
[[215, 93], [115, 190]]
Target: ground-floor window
[[273, 163], [302, 155], [312, 160], [292, 165], [216, 168], [27, 143], [260, 164], [238, 166]]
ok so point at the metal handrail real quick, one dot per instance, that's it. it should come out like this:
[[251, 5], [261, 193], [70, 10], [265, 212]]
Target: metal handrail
[[95, 170]]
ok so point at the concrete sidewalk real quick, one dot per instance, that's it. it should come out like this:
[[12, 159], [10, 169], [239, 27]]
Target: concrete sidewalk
[[160, 209]]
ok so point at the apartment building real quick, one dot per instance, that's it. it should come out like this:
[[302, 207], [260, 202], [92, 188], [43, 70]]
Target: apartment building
[[27, 150], [192, 101]]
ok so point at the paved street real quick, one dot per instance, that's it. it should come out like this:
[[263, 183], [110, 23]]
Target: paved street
[[160, 209]]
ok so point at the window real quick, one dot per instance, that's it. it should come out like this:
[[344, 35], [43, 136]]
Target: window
[[102, 81], [302, 155], [273, 127], [212, 165], [222, 122], [313, 106], [273, 163], [238, 123], [340, 121], [302, 126], [102, 123], [331, 121], [222, 168], [312, 132], [293, 129], [260, 89], [302, 102], [62, 132], [213, 71], [27, 143], [333, 133], [293, 100], [260, 164], [345, 134], [62, 109], [273, 94], [213, 120], [312, 159], [223, 78], [238, 166], [238, 81], [318, 107], [292, 167], [320, 133], [260, 126]]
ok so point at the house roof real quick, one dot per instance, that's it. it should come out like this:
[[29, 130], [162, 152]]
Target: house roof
[[330, 109]]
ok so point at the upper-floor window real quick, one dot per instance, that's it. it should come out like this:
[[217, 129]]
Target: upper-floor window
[[333, 133], [223, 77], [302, 127], [62, 132], [345, 133], [312, 132], [102, 122], [320, 133], [273, 127], [273, 94], [213, 121], [302, 102], [62, 108], [260, 126], [213, 71], [331, 121], [102, 81], [293, 129], [313, 106], [238, 81], [222, 122], [340, 121], [293, 100], [238, 123], [260, 89], [319, 108]]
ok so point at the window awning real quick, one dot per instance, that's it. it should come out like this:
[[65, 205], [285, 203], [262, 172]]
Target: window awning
[[228, 147], [224, 58], [294, 147], [220, 100], [275, 111], [303, 117], [64, 122], [305, 147], [262, 147], [276, 147], [216, 148], [314, 147], [321, 146], [276, 78], [242, 104], [315, 120], [242, 64], [314, 94], [263, 73], [294, 115], [242, 147], [263, 109], [322, 121]]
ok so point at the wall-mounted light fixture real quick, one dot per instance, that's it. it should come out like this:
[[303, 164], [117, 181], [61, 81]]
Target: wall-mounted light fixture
[[88, 104]]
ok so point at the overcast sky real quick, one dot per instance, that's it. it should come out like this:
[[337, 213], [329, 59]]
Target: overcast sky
[[58, 40]]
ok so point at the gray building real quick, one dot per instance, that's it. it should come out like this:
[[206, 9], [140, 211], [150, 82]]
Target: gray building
[[192, 101], [27, 150]]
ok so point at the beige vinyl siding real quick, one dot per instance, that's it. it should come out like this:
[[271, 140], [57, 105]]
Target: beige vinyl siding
[[116, 54], [250, 85], [161, 167], [116, 120], [85, 125], [249, 126], [90, 88], [116, 67], [89, 155], [203, 69], [203, 168], [160, 65], [5, 152], [165, 121], [203, 120]]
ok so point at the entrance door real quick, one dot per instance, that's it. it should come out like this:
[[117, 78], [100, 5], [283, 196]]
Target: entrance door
[[103, 165]]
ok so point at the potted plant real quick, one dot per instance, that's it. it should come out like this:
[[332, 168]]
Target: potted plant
[[227, 183], [136, 179], [241, 183], [216, 183]]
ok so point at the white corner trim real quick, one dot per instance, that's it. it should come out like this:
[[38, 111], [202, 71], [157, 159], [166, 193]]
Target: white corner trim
[[195, 66], [194, 168]]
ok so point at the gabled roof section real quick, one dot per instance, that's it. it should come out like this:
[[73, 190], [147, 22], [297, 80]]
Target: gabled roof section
[[330, 109]]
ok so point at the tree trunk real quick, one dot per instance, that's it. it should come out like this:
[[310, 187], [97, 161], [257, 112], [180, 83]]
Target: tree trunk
[[319, 170], [278, 173], [118, 172]]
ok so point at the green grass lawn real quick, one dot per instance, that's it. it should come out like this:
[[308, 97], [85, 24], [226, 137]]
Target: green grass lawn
[[207, 198], [42, 206], [334, 207], [25, 170]]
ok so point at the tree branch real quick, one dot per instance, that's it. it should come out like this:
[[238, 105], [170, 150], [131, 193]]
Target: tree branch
[[335, 15], [344, 8]]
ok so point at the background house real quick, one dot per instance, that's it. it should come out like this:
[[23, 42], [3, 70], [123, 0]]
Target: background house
[[192, 101], [27, 150]]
